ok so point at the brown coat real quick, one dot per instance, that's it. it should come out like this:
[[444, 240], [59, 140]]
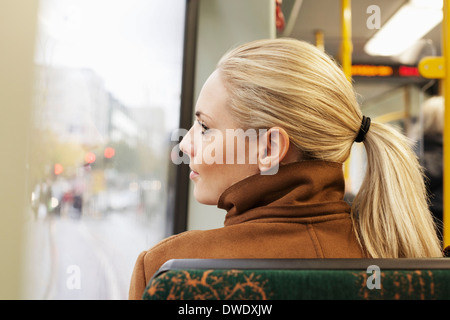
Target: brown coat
[[297, 213]]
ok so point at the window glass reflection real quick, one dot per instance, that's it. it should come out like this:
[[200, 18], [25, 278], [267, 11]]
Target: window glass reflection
[[107, 96]]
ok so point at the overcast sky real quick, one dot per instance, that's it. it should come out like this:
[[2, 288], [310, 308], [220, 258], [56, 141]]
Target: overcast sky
[[134, 45]]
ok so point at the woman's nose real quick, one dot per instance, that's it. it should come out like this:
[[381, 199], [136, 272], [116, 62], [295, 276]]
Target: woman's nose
[[186, 145]]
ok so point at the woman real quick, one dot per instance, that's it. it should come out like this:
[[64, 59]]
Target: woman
[[296, 115]]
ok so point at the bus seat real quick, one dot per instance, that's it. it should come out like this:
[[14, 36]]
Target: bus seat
[[286, 279]]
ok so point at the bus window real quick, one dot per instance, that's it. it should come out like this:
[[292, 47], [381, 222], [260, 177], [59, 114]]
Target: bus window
[[106, 98]]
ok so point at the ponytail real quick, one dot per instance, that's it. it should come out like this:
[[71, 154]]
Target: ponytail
[[390, 212]]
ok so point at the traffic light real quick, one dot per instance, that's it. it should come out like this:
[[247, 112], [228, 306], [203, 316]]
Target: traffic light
[[109, 152], [58, 169], [89, 158]]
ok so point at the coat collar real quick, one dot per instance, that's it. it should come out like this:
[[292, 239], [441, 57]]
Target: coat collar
[[297, 191]]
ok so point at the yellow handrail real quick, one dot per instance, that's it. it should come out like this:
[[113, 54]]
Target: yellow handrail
[[446, 89], [347, 46], [346, 53], [439, 68]]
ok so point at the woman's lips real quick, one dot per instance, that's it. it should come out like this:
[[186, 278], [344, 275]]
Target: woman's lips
[[193, 175]]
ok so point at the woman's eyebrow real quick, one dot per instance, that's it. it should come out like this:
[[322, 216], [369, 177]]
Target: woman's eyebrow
[[200, 114]]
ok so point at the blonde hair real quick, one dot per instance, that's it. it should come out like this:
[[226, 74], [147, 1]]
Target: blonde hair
[[292, 84]]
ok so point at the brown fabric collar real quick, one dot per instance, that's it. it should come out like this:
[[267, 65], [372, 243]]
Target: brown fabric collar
[[297, 191]]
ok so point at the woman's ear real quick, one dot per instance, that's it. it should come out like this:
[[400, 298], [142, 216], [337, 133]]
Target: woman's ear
[[273, 147]]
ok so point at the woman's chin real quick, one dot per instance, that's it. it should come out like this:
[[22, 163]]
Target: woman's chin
[[203, 197]]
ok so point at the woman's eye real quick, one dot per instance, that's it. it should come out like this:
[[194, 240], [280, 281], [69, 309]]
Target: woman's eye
[[204, 127]]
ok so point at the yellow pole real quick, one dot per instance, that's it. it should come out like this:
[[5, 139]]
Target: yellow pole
[[346, 55], [439, 68], [319, 40], [446, 90], [347, 47]]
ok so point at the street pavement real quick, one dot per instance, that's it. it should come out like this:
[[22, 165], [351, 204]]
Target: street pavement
[[86, 258]]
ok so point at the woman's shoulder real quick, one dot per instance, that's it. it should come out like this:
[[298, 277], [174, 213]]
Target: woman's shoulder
[[180, 238], [178, 245], [188, 244]]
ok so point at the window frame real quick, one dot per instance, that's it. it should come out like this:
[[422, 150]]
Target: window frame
[[178, 179]]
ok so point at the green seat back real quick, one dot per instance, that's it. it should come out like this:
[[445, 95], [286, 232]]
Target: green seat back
[[301, 279]]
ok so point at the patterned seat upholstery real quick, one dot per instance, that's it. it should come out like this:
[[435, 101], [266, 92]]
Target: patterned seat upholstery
[[199, 279]]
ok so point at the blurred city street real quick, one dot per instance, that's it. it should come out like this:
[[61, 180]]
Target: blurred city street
[[89, 258], [99, 147]]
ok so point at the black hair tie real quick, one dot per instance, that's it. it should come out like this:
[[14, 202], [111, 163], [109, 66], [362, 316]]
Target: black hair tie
[[365, 125]]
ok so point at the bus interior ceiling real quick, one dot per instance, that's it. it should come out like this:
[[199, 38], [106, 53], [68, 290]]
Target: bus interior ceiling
[[310, 17]]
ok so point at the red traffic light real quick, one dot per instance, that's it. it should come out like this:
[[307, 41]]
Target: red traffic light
[[58, 169], [109, 152], [89, 157]]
